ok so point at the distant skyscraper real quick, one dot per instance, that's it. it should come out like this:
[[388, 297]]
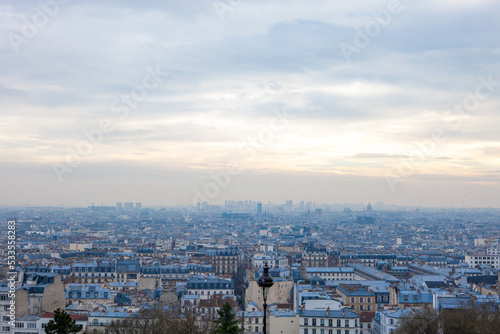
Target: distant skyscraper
[[259, 208], [128, 205], [119, 206], [369, 207], [138, 205]]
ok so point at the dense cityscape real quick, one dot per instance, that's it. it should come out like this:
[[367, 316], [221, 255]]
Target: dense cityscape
[[249, 167], [354, 268]]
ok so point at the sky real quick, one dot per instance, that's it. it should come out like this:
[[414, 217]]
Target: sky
[[178, 102]]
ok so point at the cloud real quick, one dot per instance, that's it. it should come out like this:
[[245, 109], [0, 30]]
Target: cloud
[[223, 79], [379, 156]]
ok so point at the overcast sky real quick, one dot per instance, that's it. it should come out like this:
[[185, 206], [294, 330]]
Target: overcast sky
[[170, 102]]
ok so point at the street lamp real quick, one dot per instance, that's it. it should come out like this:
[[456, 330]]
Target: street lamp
[[265, 282]]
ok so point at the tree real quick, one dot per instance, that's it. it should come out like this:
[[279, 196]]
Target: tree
[[62, 324], [157, 321], [227, 323], [470, 318], [420, 322]]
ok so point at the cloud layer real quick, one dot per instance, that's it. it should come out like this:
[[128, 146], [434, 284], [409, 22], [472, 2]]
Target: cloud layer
[[364, 119]]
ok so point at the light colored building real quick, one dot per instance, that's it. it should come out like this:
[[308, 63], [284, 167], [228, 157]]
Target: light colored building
[[87, 294], [332, 273], [328, 322], [283, 322], [99, 320], [204, 287], [386, 321], [19, 309], [44, 297], [279, 293], [278, 262], [35, 324], [225, 261], [359, 298], [479, 259], [493, 251], [79, 247], [252, 321]]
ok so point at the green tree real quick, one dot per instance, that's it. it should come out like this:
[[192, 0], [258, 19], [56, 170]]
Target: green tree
[[227, 323], [62, 324]]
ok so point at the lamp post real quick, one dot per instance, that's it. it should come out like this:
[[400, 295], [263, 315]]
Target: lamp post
[[265, 282]]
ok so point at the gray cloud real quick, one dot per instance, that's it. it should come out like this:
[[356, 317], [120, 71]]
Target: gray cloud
[[223, 79]]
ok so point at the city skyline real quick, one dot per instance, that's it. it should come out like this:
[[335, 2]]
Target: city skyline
[[170, 103]]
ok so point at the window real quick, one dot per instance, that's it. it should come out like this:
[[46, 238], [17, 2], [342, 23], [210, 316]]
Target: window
[[369, 300], [338, 323], [314, 322], [322, 322], [347, 331], [3, 297], [31, 324], [360, 299], [361, 307], [352, 299], [306, 322], [314, 331], [19, 324], [330, 323], [391, 321], [346, 324], [306, 331]]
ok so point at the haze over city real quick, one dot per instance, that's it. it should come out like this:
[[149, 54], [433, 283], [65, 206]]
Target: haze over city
[[157, 101]]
